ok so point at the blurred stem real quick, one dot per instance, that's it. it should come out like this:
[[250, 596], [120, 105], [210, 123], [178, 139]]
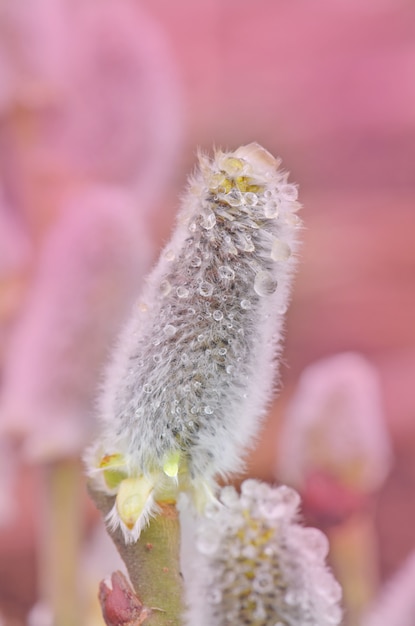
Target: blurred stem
[[354, 555], [59, 541], [153, 563]]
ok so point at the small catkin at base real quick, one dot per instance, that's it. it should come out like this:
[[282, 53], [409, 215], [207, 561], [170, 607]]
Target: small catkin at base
[[256, 565]]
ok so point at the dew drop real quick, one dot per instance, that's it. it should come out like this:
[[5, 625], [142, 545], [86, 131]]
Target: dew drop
[[208, 220], [208, 410], [192, 226], [271, 209], [251, 199], [264, 284], [289, 192], [182, 292], [205, 289], [232, 166], [165, 287], [200, 337], [229, 369], [245, 243], [293, 220], [196, 261], [234, 198], [280, 251], [217, 315], [156, 358], [222, 351], [226, 272], [170, 330], [169, 255], [245, 304], [147, 388]]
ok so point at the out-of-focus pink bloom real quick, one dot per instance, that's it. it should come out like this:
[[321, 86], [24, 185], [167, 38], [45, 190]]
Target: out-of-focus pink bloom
[[333, 446], [96, 85], [90, 270], [121, 118]]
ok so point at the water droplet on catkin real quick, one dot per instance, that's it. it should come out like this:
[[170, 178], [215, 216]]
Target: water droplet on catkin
[[182, 292], [264, 284], [165, 287], [205, 289], [208, 219], [226, 272], [251, 199], [271, 209], [169, 255], [170, 330], [289, 192], [280, 251]]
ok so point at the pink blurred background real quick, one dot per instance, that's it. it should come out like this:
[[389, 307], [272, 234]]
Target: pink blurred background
[[329, 86]]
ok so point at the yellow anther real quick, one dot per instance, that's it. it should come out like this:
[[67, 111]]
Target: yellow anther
[[112, 460], [244, 185]]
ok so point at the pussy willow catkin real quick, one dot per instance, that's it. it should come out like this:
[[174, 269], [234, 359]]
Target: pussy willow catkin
[[195, 366]]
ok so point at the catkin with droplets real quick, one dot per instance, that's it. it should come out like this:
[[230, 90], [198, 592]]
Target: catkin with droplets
[[195, 366]]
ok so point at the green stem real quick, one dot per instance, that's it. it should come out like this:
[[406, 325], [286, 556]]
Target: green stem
[[153, 562]]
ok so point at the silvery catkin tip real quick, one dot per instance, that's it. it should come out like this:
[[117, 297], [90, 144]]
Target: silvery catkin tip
[[195, 366]]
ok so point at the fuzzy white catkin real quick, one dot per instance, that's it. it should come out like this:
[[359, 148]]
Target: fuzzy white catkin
[[93, 261], [256, 565], [195, 366]]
